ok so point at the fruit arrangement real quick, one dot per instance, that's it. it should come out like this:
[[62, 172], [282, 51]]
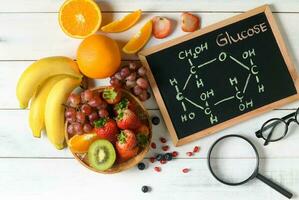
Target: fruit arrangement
[[132, 78], [107, 129]]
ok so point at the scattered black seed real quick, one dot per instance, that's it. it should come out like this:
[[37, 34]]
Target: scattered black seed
[[168, 156], [145, 189], [141, 166], [155, 120], [159, 157]]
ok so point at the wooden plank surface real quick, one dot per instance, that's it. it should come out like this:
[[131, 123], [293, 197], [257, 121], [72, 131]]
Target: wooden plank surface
[[155, 5], [21, 40], [29, 179]]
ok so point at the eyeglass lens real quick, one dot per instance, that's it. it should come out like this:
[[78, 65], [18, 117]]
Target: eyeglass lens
[[275, 129]]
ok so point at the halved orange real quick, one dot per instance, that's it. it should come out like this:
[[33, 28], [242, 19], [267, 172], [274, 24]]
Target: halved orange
[[123, 24], [139, 39], [80, 18], [81, 143]]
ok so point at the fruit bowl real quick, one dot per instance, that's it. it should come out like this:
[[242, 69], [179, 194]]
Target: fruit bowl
[[143, 115]]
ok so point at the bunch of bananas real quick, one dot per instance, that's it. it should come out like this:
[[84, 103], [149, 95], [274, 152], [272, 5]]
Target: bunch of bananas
[[48, 83]]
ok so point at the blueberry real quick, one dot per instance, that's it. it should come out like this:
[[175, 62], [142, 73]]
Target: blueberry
[[168, 156], [155, 120], [145, 189], [141, 166], [159, 157]]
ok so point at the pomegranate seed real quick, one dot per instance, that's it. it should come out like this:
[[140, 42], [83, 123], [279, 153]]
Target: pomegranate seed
[[165, 148], [162, 139], [153, 145], [175, 154], [157, 169], [185, 170], [152, 159], [189, 154], [163, 161], [196, 149]]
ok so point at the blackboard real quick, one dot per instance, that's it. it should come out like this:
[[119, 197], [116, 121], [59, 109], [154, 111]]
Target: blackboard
[[221, 75]]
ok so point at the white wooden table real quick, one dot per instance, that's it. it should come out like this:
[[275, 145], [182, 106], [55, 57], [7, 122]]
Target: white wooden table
[[32, 169]]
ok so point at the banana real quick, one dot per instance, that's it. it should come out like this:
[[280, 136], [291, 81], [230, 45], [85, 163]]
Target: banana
[[35, 75], [54, 110], [38, 103]]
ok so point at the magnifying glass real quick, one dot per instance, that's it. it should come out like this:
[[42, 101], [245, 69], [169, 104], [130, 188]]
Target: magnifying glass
[[230, 167]]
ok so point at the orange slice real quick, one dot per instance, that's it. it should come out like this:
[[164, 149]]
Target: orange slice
[[81, 143], [139, 39], [80, 18], [123, 24]]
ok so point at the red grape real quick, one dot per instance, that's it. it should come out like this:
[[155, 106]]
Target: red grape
[[141, 71], [87, 128], [71, 119], [70, 112], [86, 96], [95, 101], [130, 84], [86, 109], [124, 72], [118, 76], [70, 129], [137, 90], [93, 116], [74, 100], [115, 82], [103, 113], [78, 128], [132, 66], [131, 77], [102, 105], [80, 117], [143, 96], [141, 82]]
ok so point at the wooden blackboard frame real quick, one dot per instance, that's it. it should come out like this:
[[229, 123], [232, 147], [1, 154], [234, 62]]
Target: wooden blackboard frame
[[282, 47]]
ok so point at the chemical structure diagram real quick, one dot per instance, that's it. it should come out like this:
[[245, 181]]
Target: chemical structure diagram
[[207, 96]]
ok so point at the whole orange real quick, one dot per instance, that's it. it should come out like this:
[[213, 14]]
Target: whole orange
[[98, 56]]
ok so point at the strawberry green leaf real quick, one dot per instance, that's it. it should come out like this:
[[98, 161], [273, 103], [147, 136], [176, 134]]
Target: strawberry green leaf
[[101, 122], [123, 104], [141, 139], [109, 94], [122, 137]]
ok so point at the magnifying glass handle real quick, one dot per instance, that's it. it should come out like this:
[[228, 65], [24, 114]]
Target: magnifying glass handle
[[274, 186]]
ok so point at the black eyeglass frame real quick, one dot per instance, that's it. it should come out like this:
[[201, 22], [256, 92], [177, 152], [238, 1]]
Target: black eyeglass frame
[[286, 120]]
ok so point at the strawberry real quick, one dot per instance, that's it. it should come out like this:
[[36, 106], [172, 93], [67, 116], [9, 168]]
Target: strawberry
[[124, 155], [124, 104], [127, 119], [190, 22], [126, 140], [106, 128], [161, 27], [112, 95]]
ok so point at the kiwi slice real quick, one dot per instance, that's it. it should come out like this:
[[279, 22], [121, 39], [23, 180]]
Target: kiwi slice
[[101, 155]]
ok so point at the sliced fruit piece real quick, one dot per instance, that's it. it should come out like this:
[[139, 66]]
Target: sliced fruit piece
[[161, 27], [101, 155], [190, 22], [81, 143], [139, 39], [123, 24], [80, 18]]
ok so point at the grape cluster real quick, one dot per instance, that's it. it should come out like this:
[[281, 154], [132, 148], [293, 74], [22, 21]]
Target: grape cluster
[[132, 78], [83, 109]]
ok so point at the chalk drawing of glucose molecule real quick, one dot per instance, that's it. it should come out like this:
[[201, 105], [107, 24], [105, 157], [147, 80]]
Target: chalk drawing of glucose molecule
[[207, 95]]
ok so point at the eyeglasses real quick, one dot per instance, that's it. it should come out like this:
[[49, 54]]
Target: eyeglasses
[[275, 129]]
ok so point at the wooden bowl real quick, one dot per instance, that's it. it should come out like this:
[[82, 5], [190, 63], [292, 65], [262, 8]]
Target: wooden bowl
[[118, 167]]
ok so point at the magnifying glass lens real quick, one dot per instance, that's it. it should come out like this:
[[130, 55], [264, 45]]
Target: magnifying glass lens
[[233, 160]]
